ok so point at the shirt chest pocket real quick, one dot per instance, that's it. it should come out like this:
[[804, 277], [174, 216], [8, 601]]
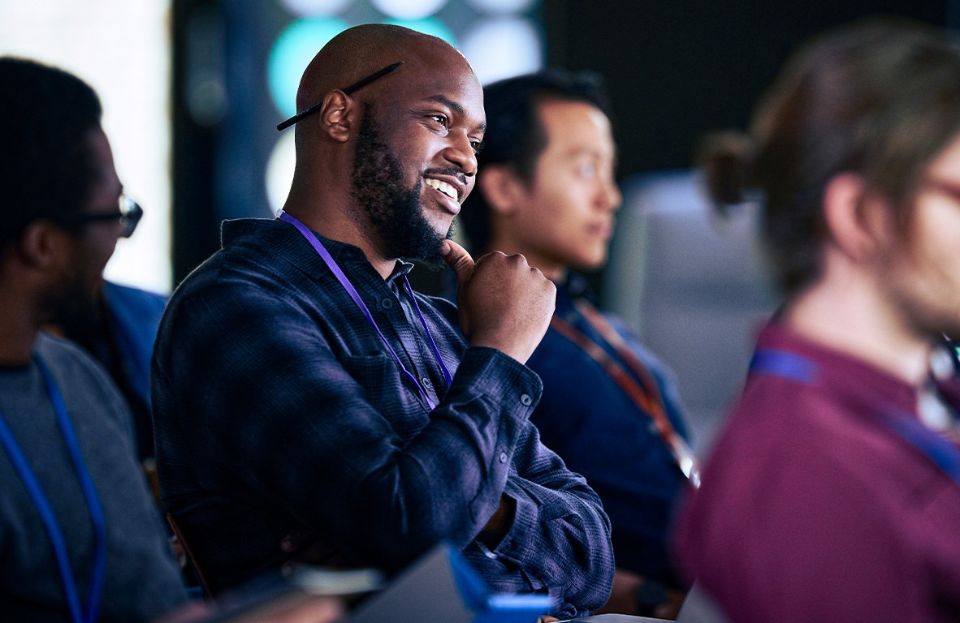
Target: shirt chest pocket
[[389, 392]]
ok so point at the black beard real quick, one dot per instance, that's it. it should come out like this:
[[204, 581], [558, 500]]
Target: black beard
[[77, 311], [393, 212]]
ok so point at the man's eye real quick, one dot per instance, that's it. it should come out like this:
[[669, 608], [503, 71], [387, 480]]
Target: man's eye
[[477, 146], [440, 119], [586, 170]]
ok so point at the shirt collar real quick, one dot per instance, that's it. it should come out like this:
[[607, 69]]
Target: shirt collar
[[847, 376], [576, 286], [402, 268], [284, 239]]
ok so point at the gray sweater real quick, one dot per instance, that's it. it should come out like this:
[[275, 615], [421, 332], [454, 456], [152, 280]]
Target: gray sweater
[[142, 581]]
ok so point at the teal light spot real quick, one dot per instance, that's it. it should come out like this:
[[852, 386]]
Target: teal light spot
[[428, 26], [292, 51]]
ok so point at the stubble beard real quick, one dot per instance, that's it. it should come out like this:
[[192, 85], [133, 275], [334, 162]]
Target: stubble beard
[[75, 308]]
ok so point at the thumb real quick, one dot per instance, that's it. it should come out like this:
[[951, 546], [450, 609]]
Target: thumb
[[459, 260]]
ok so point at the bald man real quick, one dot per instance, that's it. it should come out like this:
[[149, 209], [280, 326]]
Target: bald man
[[311, 406]]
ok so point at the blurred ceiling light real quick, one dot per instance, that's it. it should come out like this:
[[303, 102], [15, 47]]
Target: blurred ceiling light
[[503, 47], [316, 7], [429, 26], [408, 9], [279, 173], [292, 51], [501, 6]]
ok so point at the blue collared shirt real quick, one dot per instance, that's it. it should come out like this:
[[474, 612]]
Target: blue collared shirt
[[278, 413], [601, 433]]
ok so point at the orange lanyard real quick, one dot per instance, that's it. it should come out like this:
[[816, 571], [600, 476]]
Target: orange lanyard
[[646, 395]]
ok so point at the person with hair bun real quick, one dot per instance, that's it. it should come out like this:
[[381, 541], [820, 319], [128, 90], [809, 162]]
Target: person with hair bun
[[834, 491]]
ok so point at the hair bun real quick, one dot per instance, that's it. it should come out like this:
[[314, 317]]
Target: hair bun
[[727, 160]]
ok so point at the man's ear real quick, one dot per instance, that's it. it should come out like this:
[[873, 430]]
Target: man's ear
[[43, 246], [502, 188], [856, 221], [337, 115]]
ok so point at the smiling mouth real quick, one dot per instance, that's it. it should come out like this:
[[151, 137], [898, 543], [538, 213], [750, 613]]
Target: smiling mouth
[[443, 187]]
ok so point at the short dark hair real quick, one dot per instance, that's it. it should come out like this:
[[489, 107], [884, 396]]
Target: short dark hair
[[879, 98], [515, 136], [46, 165]]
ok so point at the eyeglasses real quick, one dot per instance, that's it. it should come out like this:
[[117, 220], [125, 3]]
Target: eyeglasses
[[356, 86], [128, 214], [948, 188]]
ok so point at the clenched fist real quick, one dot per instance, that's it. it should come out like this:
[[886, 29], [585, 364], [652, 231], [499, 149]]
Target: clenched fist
[[504, 302]]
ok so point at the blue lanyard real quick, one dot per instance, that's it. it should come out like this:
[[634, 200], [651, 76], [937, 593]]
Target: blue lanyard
[[46, 511], [794, 367], [345, 282]]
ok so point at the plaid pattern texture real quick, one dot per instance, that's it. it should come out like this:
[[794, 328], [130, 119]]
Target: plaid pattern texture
[[284, 430]]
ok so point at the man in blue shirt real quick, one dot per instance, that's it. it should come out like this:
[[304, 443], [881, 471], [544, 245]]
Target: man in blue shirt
[[117, 325], [310, 406], [546, 190]]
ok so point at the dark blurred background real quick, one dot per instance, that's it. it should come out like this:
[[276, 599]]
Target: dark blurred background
[[674, 69]]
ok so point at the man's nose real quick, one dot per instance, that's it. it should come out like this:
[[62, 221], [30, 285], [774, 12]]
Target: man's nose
[[609, 195], [461, 153]]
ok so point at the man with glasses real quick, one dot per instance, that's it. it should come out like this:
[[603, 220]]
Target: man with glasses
[[311, 406], [116, 324], [79, 531]]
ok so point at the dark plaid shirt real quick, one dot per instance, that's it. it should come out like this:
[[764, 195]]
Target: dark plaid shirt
[[279, 417]]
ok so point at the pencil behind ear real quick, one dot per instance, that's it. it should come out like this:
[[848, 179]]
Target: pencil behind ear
[[337, 114]]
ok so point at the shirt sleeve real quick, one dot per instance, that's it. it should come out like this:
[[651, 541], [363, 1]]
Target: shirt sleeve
[[560, 534], [285, 424]]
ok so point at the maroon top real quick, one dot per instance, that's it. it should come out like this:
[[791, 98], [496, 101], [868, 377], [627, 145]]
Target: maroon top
[[817, 506]]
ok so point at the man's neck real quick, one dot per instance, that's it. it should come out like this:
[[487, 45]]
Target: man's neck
[[18, 328], [335, 226], [848, 316]]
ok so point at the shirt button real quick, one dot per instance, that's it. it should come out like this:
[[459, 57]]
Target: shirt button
[[503, 457], [526, 400], [386, 303], [426, 383]]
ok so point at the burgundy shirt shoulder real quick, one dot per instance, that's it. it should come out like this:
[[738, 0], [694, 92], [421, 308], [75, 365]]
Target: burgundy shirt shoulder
[[812, 508]]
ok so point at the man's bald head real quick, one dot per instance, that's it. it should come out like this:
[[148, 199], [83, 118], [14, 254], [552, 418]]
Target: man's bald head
[[362, 50], [386, 165]]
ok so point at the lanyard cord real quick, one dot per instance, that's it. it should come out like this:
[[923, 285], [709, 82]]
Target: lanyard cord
[[646, 395], [345, 282], [47, 516], [939, 450], [426, 331]]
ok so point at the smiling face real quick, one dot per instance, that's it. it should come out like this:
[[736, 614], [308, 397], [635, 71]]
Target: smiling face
[[415, 160], [392, 210], [563, 216]]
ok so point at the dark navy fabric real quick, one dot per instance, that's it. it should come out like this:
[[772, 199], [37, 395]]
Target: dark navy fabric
[[279, 418], [586, 418], [134, 316]]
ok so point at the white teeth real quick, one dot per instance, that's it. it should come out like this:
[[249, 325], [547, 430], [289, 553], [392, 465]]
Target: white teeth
[[443, 187]]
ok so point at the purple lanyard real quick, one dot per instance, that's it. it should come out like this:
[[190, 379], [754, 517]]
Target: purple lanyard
[[342, 278]]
